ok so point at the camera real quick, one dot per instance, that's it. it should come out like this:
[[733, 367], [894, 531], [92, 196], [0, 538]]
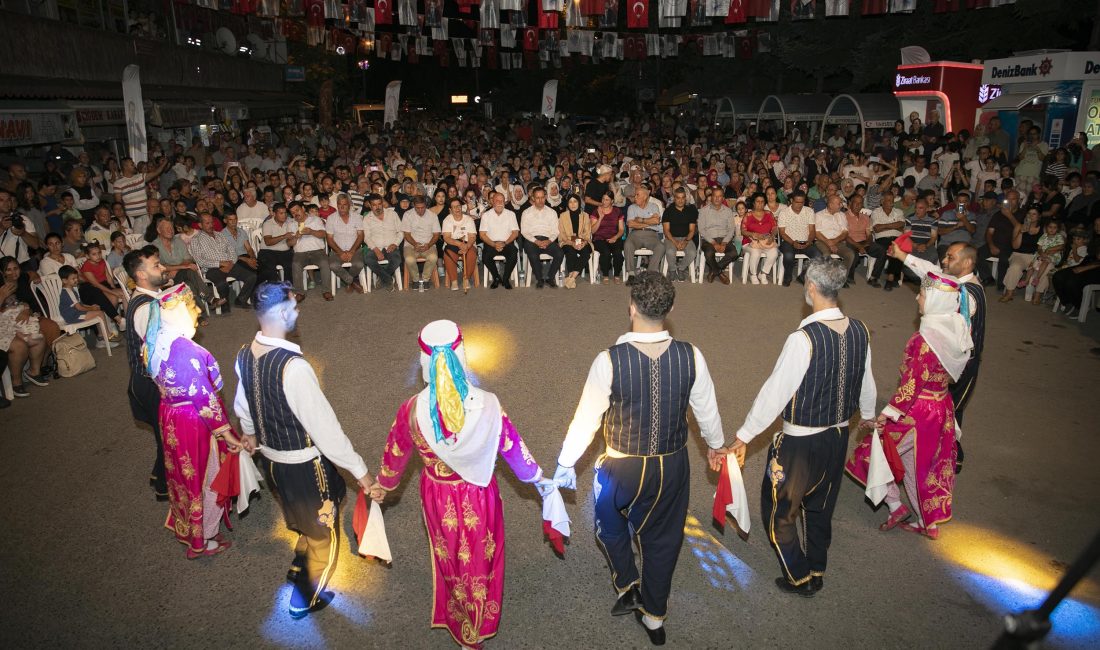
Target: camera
[[17, 222]]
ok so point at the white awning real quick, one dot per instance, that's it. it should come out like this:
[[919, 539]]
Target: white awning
[[1013, 101]]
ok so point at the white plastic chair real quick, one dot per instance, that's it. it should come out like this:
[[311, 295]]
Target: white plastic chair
[[123, 280], [51, 290], [638, 252], [1088, 296], [543, 257], [777, 269], [136, 240], [691, 267], [993, 263], [486, 279], [366, 278], [9, 392], [256, 239]]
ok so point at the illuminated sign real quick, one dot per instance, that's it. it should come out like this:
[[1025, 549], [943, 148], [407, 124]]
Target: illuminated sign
[[460, 99], [917, 79], [987, 93]]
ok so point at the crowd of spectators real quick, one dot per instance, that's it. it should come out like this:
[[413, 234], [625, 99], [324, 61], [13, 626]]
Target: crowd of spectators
[[429, 203]]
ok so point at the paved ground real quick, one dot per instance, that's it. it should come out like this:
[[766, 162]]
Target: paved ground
[[86, 563]]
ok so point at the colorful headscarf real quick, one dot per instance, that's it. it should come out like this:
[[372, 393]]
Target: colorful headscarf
[[942, 326], [163, 329], [447, 386]]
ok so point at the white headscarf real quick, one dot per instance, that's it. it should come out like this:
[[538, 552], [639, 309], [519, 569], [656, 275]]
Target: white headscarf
[[516, 187], [942, 326], [553, 199]]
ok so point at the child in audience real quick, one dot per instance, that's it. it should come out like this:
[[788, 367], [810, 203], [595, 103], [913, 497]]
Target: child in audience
[[73, 311], [1051, 244]]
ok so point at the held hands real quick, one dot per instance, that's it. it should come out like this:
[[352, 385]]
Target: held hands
[[249, 444], [566, 477], [546, 486], [738, 449]]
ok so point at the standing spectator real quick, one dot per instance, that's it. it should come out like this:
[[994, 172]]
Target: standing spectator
[[679, 223], [717, 234], [17, 234], [130, 191]]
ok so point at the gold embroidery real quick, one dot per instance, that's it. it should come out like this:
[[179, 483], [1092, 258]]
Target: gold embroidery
[[450, 517], [906, 391], [439, 547], [395, 450], [526, 454], [470, 606], [464, 550], [469, 517], [326, 516], [490, 545], [387, 472], [188, 470], [507, 443]]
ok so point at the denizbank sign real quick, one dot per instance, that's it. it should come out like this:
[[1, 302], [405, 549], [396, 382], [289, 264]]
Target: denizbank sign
[[1055, 66]]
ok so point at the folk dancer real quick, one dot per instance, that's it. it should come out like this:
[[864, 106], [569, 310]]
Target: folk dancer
[[285, 416], [637, 394], [192, 416], [822, 377], [458, 430], [144, 268], [959, 260], [918, 425]]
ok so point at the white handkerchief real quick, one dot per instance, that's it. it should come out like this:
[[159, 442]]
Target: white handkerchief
[[553, 510], [958, 430], [879, 475], [739, 508], [250, 481], [374, 542]]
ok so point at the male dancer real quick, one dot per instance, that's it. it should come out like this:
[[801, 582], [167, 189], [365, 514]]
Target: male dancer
[[144, 268], [959, 260], [822, 376], [285, 416], [637, 393]]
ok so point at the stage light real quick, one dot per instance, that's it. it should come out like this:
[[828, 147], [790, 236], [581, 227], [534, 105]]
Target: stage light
[[477, 99], [340, 50], [723, 569], [490, 348], [364, 64]]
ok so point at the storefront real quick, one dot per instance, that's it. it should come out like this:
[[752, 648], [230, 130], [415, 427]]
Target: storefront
[[947, 87], [26, 123], [863, 114], [798, 116], [733, 112], [1058, 92]]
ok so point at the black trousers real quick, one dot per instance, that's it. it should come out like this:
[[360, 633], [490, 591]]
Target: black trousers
[[961, 391], [985, 270], [310, 495], [892, 265], [269, 259], [1070, 286], [145, 407], [714, 265], [803, 476], [540, 270], [877, 253], [611, 257], [644, 497], [576, 261], [241, 272], [510, 254], [91, 295], [788, 252]]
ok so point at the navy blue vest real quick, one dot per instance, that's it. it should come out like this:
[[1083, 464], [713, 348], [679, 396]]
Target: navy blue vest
[[262, 380], [134, 339], [649, 399], [829, 392], [977, 321]]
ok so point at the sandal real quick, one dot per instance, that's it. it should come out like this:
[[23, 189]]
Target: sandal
[[896, 517], [194, 555], [930, 533], [327, 296]]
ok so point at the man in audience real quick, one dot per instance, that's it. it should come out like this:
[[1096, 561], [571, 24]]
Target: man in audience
[[421, 228], [679, 223], [382, 237], [717, 233], [252, 211], [860, 239], [279, 236], [643, 223], [921, 227], [887, 223], [831, 230], [130, 190], [954, 224], [540, 229], [998, 239], [218, 262], [309, 250], [797, 234], [345, 238], [499, 231]]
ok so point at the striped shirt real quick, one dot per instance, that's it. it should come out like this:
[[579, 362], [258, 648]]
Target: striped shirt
[[132, 191]]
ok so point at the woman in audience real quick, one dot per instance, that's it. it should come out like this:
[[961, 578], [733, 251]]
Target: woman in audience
[[459, 232], [22, 345], [759, 230], [1025, 246], [23, 287], [607, 230], [54, 258], [575, 238], [98, 287], [1052, 244], [1070, 283]]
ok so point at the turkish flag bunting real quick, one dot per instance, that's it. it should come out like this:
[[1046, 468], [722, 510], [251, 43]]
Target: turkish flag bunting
[[466, 6], [763, 8], [637, 14], [746, 45], [491, 58], [383, 11], [871, 7], [531, 40], [315, 12], [591, 7], [634, 47], [736, 13], [547, 19]]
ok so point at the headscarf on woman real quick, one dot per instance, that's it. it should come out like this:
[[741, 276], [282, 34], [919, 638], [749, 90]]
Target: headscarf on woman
[[553, 193], [943, 324]]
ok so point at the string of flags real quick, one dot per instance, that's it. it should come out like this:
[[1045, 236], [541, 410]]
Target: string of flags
[[515, 34]]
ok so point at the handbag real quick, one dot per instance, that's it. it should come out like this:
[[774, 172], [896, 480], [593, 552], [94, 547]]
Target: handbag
[[73, 356]]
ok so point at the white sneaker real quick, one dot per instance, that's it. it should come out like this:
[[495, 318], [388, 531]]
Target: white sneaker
[[100, 344], [121, 325], [754, 279]]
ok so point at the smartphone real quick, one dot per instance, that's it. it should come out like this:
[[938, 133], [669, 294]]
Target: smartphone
[[591, 151]]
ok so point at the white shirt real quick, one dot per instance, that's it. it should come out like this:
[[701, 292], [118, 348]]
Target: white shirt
[[796, 225], [459, 229], [879, 217], [344, 233], [256, 213], [309, 243], [787, 376], [422, 228], [50, 266], [912, 171], [499, 227], [596, 399], [829, 224], [14, 245], [308, 404], [384, 232], [539, 223], [271, 228]]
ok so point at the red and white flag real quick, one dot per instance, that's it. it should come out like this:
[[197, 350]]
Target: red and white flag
[[383, 12], [730, 498], [637, 14], [736, 13], [370, 529]]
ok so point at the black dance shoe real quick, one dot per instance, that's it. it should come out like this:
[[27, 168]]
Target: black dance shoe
[[322, 602], [806, 590], [656, 637], [630, 600]]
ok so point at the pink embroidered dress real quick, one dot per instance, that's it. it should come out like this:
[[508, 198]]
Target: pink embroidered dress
[[465, 525], [926, 423], [191, 413]]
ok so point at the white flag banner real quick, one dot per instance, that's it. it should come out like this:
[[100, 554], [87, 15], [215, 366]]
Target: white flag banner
[[490, 14], [507, 36], [406, 13], [718, 8], [673, 7], [393, 99], [837, 7], [670, 46], [710, 45], [550, 99], [511, 5], [441, 33], [573, 16], [653, 45], [135, 113], [553, 5]]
